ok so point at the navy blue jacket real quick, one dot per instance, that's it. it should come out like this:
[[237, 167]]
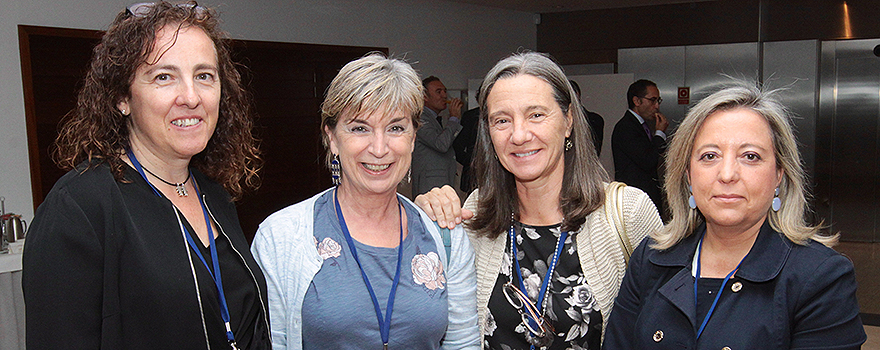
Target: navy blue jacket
[[791, 297]]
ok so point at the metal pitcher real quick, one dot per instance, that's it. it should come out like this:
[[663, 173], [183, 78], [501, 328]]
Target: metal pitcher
[[14, 227]]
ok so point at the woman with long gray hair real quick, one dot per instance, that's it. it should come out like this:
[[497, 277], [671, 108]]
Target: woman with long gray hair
[[549, 257]]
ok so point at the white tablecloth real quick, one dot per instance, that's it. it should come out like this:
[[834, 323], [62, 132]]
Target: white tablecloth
[[11, 303], [10, 262]]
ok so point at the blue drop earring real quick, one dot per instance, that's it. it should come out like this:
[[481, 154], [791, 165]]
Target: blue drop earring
[[692, 202], [335, 170], [777, 203]]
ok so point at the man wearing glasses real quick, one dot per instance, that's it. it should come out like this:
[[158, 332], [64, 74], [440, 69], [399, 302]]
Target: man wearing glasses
[[639, 139]]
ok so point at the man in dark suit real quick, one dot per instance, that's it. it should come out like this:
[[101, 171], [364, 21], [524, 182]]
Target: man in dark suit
[[464, 146], [597, 123], [639, 140]]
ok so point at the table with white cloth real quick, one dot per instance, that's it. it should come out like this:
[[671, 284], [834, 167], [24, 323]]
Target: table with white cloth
[[11, 303]]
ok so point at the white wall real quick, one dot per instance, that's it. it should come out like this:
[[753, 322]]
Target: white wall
[[605, 94], [450, 40]]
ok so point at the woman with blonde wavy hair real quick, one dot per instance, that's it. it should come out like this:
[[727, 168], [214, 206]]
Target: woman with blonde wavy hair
[[358, 266], [738, 266]]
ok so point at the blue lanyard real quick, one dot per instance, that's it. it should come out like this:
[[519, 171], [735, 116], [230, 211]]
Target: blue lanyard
[[546, 283], [384, 323], [717, 296], [215, 272]]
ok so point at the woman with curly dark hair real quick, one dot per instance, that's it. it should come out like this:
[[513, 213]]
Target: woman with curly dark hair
[[139, 245]]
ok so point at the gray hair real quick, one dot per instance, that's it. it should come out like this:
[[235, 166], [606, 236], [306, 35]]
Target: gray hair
[[368, 84], [791, 218], [582, 189]]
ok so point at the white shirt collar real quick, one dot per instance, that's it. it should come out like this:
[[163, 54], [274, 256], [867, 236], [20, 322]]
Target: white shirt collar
[[641, 120]]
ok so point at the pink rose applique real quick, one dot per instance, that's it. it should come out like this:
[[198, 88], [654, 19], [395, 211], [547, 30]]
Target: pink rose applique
[[428, 271], [328, 248]]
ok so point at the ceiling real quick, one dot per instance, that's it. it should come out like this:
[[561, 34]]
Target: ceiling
[[546, 6]]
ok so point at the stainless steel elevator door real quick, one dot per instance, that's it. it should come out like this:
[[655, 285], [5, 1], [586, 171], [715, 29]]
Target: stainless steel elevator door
[[850, 201]]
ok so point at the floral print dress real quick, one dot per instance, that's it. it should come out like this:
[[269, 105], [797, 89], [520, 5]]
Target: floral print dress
[[571, 307]]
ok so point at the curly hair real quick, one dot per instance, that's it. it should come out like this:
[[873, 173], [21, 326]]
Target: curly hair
[[96, 131]]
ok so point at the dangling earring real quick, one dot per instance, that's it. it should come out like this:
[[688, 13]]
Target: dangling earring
[[408, 177], [568, 144], [335, 170], [777, 203], [692, 202]]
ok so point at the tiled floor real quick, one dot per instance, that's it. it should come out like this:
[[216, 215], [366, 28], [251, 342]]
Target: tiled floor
[[873, 342]]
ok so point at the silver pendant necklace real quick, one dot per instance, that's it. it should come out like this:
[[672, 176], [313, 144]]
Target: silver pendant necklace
[[180, 187]]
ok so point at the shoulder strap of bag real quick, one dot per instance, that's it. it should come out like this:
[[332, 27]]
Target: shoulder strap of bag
[[614, 214]]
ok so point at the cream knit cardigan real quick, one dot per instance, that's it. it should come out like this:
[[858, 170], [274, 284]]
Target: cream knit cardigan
[[597, 246]]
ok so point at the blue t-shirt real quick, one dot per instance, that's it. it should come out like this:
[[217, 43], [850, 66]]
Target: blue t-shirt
[[338, 312]]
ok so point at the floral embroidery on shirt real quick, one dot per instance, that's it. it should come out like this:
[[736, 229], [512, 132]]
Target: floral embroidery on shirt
[[328, 248], [428, 271]]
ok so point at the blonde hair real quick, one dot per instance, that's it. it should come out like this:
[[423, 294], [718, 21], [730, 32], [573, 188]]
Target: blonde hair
[[368, 84], [790, 220]]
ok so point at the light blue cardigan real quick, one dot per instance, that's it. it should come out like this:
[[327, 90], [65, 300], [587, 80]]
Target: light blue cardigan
[[285, 249]]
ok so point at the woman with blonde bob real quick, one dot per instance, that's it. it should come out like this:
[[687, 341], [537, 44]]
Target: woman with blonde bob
[[359, 266], [738, 266]]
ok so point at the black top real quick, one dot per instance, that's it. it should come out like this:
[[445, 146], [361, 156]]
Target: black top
[[106, 266], [708, 290], [242, 299], [571, 307]]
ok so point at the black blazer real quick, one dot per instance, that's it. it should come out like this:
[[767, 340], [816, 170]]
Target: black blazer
[[637, 159], [464, 145], [597, 128], [783, 296]]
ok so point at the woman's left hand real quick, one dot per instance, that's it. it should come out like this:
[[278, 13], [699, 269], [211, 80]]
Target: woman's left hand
[[443, 206]]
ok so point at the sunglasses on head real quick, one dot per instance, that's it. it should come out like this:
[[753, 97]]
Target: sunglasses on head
[[144, 8]]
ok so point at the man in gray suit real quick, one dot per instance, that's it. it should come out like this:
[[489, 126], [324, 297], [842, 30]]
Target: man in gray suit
[[433, 161]]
